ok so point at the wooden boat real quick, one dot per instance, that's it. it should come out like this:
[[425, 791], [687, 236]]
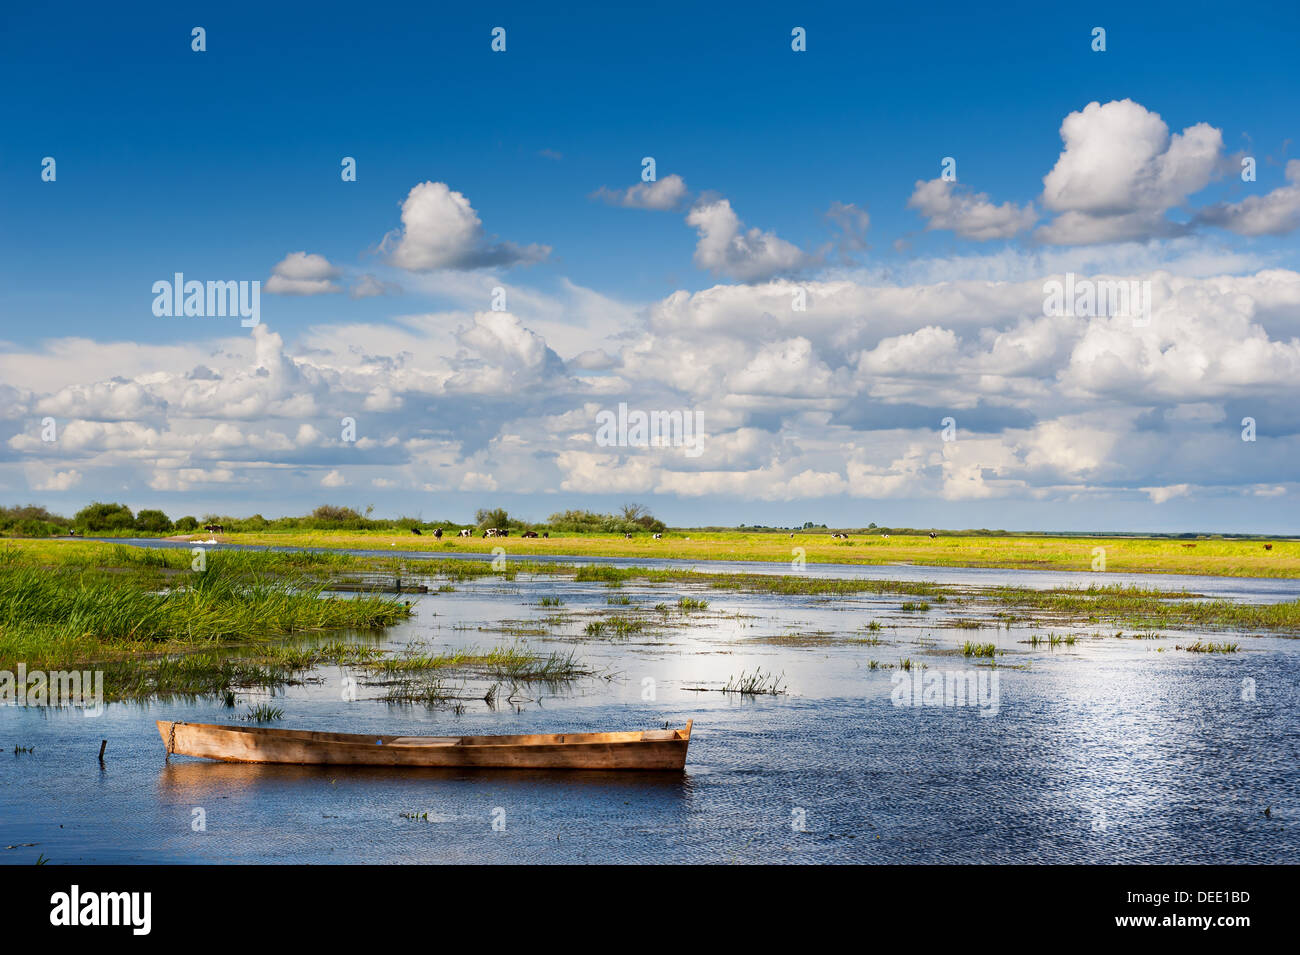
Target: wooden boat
[[641, 750]]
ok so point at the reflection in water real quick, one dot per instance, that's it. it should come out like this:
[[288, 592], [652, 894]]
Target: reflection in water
[[183, 781]]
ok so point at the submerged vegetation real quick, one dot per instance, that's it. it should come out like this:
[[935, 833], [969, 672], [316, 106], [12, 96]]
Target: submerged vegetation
[[264, 713], [1199, 647], [757, 683], [618, 627]]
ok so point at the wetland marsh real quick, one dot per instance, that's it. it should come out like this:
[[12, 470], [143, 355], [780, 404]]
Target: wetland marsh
[[1103, 724]]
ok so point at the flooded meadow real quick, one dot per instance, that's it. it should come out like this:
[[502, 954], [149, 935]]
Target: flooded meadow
[[931, 719]]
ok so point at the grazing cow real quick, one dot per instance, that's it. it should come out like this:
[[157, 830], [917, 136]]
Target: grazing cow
[[214, 528], [416, 532], [546, 533], [528, 534], [659, 537], [465, 532], [627, 536], [933, 535], [438, 534], [1268, 546]]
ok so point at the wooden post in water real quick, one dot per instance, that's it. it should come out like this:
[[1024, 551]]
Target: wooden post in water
[[103, 744]]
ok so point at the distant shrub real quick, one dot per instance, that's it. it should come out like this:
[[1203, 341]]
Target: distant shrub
[[335, 515], [31, 520], [153, 522], [104, 517], [495, 517], [591, 522]]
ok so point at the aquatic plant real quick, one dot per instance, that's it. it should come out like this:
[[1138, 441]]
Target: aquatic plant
[[263, 713], [1199, 647], [757, 683]]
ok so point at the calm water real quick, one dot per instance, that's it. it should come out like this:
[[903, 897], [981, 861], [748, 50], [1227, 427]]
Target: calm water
[[1112, 750]]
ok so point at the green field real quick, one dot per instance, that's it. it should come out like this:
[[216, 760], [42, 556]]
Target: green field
[[1225, 557]]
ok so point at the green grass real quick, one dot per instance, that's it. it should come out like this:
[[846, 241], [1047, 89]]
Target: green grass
[[141, 615], [1148, 609], [220, 604], [505, 663], [1199, 647], [969, 649], [618, 627], [419, 679], [264, 713], [1206, 555]]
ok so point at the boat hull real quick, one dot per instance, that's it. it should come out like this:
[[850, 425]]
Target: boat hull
[[657, 750]]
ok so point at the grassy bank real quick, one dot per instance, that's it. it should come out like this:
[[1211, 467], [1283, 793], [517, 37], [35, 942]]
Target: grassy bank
[[1209, 556], [78, 604], [158, 629]]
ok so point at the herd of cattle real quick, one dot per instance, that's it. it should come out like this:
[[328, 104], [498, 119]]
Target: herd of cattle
[[488, 532], [501, 532]]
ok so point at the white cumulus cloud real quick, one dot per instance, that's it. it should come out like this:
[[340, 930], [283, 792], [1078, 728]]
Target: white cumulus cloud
[[441, 230]]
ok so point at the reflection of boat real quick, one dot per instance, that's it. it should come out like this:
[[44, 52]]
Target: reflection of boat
[[650, 749]]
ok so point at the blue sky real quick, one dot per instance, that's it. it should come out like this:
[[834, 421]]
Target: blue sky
[[220, 164]]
